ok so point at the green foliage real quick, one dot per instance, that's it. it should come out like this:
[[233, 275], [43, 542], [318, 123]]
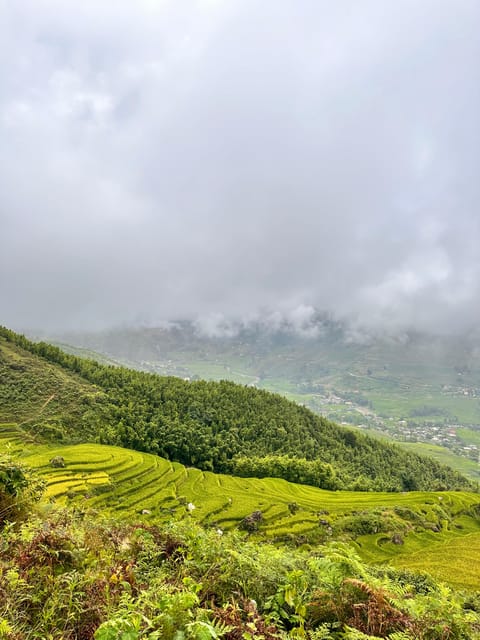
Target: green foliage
[[19, 489], [76, 576], [162, 612], [73, 576], [127, 482], [370, 522], [436, 532], [210, 425], [299, 470]]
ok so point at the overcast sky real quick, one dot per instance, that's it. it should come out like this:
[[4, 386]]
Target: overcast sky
[[163, 159]]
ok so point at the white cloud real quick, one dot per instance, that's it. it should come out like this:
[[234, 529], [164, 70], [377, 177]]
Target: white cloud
[[233, 159]]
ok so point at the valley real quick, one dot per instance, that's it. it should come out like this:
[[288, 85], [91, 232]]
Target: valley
[[410, 388]]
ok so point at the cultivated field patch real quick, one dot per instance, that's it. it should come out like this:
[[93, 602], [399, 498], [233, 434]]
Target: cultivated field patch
[[434, 532]]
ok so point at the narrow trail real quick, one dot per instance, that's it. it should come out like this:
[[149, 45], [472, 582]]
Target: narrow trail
[[45, 403], [39, 412]]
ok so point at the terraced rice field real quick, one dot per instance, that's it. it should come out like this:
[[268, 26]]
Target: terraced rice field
[[127, 483], [456, 561]]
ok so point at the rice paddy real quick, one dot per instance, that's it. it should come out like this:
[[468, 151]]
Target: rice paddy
[[131, 484]]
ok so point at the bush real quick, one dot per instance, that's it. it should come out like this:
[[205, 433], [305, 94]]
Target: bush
[[19, 489]]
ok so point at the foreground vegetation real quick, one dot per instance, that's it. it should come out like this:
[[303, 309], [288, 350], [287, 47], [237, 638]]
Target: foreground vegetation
[[73, 575], [217, 426]]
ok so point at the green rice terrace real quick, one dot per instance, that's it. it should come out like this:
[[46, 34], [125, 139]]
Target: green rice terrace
[[434, 532]]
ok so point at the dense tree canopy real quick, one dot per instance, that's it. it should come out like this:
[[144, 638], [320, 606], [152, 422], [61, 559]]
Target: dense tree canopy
[[226, 427]]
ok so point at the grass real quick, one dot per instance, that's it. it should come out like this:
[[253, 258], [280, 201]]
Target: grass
[[214, 371], [38, 390], [471, 436], [130, 484], [451, 555], [392, 402], [467, 467]]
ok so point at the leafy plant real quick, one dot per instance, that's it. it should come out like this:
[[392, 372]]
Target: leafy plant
[[19, 489]]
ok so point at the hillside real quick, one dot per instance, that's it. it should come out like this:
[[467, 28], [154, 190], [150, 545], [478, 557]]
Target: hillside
[[439, 533], [114, 549], [73, 574], [217, 426], [412, 387], [43, 397]]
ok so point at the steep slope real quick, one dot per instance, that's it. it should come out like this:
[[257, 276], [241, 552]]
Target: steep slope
[[213, 425], [43, 397], [410, 386]]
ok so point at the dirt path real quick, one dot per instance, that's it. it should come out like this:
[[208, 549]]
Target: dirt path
[[42, 408]]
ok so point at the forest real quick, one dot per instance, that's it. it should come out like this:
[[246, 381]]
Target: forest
[[213, 426]]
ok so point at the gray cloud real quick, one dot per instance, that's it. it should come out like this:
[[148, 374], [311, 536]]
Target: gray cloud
[[166, 159]]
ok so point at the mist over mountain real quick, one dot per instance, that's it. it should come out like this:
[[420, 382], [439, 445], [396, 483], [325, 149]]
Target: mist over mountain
[[165, 160], [239, 293], [303, 344], [303, 325]]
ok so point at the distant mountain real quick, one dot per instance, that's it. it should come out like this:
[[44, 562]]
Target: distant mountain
[[328, 352], [218, 426]]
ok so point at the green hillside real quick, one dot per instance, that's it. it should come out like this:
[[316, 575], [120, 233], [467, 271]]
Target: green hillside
[[466, 466], [438, 532], [42, 396], [217, 426], [411, 387], [127, 545], [75, 575]]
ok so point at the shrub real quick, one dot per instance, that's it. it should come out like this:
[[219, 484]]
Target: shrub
[[19, 489]]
